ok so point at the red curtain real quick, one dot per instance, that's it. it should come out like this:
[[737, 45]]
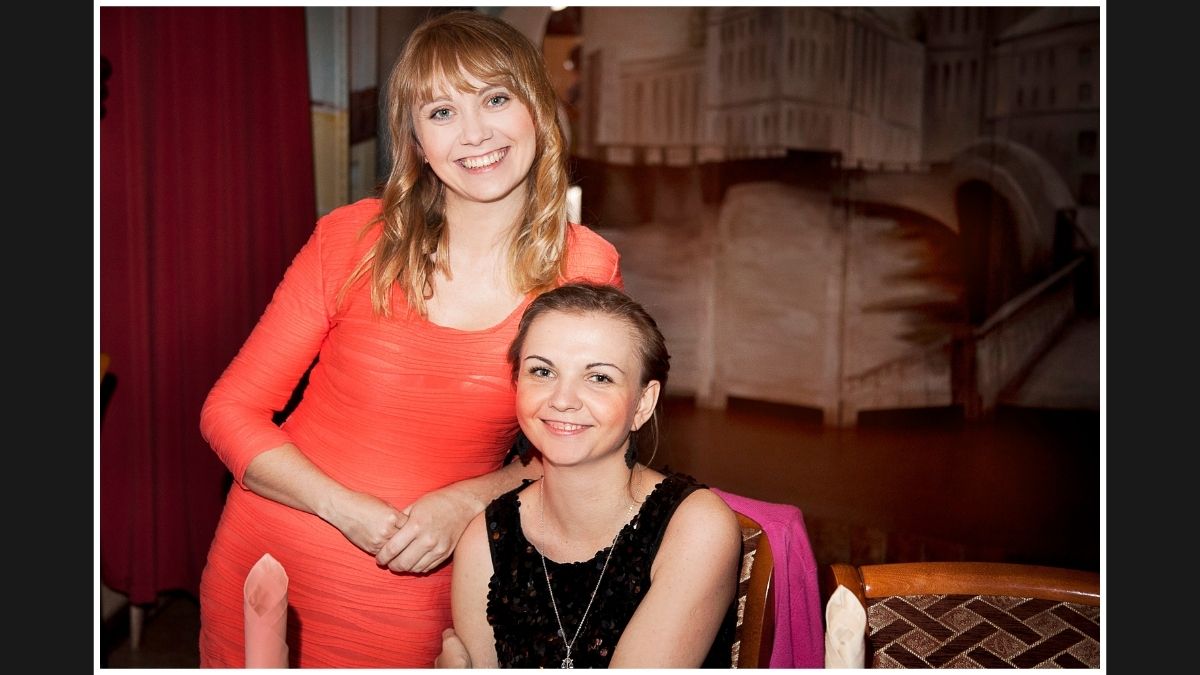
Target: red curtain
[[206, 193]]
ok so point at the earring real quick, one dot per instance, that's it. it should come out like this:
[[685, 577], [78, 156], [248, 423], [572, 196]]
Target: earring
[[632, 450]]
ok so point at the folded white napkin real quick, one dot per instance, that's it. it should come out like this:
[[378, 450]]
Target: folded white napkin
[[266, 614], [845, 635]]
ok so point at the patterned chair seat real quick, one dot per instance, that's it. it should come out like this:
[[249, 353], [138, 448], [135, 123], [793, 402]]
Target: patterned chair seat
[[976, 615]]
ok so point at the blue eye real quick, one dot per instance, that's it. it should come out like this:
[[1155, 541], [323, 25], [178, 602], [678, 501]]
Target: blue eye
[[440, 114], [498, 100]]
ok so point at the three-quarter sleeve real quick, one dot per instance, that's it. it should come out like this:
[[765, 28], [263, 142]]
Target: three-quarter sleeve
[[236, 418]]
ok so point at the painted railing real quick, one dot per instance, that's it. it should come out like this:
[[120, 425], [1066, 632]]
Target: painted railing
[[973, 368]]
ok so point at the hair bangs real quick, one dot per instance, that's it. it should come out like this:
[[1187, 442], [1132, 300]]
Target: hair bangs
[[450, 60]]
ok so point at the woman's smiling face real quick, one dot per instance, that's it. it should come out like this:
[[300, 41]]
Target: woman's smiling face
[[481, 143], [579, 390]]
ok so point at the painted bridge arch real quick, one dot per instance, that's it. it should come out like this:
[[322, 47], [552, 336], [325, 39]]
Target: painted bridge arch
[[1034, 191]]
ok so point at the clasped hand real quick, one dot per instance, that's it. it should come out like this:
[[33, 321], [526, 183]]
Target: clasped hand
[[454, 652], [415, 539], [431, 528]]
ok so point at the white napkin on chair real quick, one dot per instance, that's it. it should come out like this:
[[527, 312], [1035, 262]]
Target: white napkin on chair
[[845, 635], [266, 614]]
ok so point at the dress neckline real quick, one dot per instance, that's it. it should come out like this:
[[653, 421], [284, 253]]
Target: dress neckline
[[631, 525], [511, 318]]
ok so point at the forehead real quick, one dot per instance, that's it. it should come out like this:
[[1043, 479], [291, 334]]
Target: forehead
[[570, 332], [445, 84]]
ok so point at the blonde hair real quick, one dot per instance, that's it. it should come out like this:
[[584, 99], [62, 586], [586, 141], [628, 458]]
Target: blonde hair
[[413, 243]]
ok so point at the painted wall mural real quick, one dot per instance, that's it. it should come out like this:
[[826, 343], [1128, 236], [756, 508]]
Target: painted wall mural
[[844, 208]]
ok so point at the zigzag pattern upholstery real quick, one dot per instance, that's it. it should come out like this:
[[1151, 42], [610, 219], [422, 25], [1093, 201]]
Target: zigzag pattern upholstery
[[752, 641], [749, 544], [981, 631]]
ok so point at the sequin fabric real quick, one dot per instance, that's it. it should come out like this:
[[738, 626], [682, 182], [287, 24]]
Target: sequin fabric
[[519, 604]]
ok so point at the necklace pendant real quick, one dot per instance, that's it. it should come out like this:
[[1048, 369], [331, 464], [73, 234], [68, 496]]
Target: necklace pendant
[[567, 663]]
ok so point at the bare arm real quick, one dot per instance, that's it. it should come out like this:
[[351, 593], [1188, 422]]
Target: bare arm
[[416, 539], [285, 475], [692, 584], [468, 598], [437, 520]]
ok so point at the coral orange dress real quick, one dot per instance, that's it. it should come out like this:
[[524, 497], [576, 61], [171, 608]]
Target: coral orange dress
[[394, 408]]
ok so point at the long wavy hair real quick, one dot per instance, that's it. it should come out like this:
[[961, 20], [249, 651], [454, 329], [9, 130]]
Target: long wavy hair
[[412, 246]]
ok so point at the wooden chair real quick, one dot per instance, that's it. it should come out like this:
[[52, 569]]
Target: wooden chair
[[755, 634], [971, 615]]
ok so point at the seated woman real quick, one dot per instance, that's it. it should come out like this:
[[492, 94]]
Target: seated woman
[[603, 562]]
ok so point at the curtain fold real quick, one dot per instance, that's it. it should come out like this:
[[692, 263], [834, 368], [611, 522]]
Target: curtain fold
[[206, 193]]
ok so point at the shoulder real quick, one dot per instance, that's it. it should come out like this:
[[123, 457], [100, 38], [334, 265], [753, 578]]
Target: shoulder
[[343, 235], [702, 539], [704, 506], [702, 513], [473, 551], [503, 514], [477, 528], [351, 215], [510, 499], [583, 241], [590, 255], [348, 220]]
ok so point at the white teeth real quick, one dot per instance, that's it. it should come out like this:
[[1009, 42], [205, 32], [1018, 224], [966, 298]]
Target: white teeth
[[486, 160], [563, 426]]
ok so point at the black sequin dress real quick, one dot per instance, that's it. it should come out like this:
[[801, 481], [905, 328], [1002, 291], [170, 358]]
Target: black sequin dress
[[519, 605]]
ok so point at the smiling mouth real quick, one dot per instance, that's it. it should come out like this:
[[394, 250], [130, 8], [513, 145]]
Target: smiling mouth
[[565, 427], [483, 161]]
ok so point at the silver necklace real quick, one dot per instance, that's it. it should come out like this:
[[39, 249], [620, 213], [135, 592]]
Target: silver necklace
[[568, 662]]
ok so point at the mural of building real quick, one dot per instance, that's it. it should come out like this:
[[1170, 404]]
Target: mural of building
[[1048, 92], [847, 208], [755, 82], [957, 72]]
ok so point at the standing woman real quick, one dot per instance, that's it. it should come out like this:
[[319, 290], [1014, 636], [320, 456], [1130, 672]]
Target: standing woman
[[603, 562], [407, 303]]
